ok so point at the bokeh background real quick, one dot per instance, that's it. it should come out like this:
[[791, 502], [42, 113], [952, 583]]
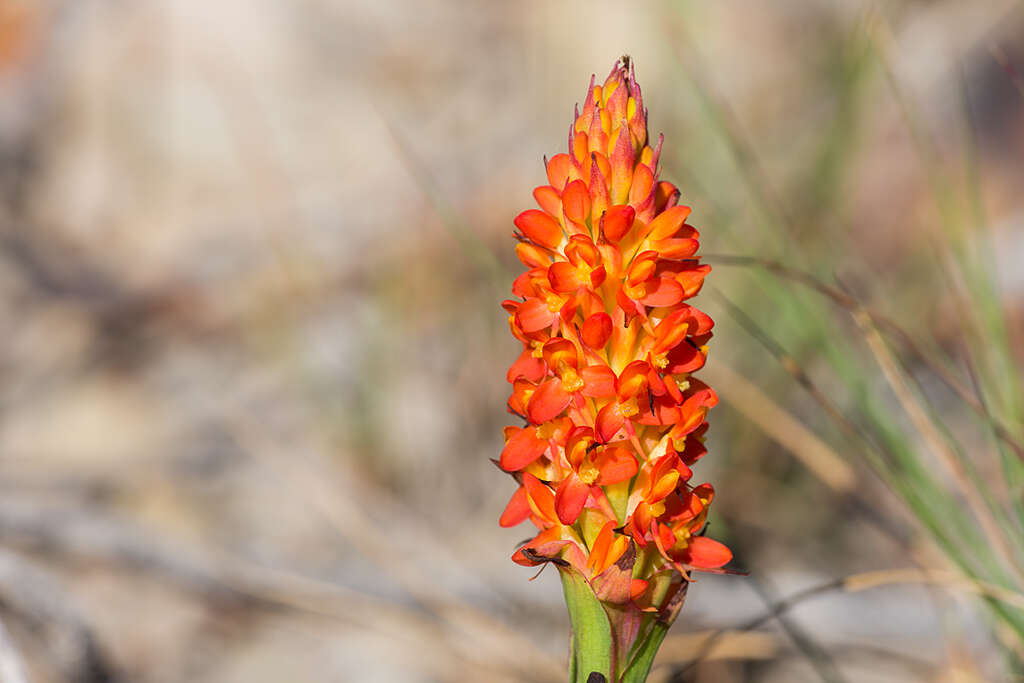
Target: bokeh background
[[252, 360]]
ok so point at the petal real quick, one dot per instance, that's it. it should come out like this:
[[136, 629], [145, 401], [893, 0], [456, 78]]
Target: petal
[[517, 510], [533, 256], [540, 498], [622, 158], [706, 553], [617, 221], [570, 498], [678, 248], [540, 228], [667, 195], [643, 184], [608, 423], [615, 464], [598, 381], [663, 292], [565, 277], [548, 199], [548, 401], [596, 330], [576, 201], [684, 358], [534, 315], [558, 171], [526, 366], [522, 449], [667, 223]]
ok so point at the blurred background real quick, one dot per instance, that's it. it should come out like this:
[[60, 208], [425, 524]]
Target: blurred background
[[253, 359]]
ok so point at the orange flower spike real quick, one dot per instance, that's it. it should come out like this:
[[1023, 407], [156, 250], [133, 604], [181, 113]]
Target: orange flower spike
[[614, 417]]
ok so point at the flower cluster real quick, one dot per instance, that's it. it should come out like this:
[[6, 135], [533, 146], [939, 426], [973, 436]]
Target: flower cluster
[[614, 417]]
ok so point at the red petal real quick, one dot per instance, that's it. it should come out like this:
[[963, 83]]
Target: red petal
[[617, 222], [570, 498], [576, 201], [540, 228], [706, 553], [517, 510], [521, 450], [547, 402]]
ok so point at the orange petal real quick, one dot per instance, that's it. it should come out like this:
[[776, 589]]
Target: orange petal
[[540, 228], [608, 423], [632, 380], [602, 542], [679, 248], [517, 510], [622, 158], [534, 315], [540, 497], [548, 199], [618, 220], [596, 330], [598, 381], [533, 256], [706, 553], [576, 201], [663, 292], [547, 402], [565, 277], [684, 358], [570, 498], [615, 464], [666, 195], [643, 184], [558, 350], [667, 224], [558, 171], [526, 366], [522, 449]]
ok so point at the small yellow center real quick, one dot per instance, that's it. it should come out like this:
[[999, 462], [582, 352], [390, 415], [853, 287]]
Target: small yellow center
[[657, 509], [588, 474], [629, 408], [554, 302], [571, 381]]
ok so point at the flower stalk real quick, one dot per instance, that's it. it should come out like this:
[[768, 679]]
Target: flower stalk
[[614, 418]]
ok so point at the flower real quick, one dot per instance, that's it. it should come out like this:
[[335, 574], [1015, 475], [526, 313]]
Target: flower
[[614, 417]]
